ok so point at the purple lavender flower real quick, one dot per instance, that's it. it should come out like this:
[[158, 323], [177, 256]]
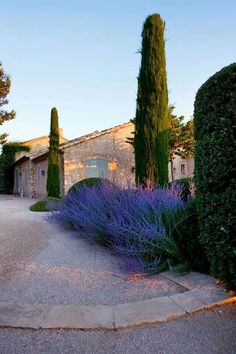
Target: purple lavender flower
[[134, 222]]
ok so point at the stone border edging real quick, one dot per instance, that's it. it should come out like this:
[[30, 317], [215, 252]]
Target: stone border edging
[[97, 317], [201, 294]]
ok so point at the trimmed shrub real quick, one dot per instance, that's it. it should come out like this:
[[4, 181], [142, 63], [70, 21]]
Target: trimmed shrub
[[88, 182], [215, 167], [39, 206], [48, 204]]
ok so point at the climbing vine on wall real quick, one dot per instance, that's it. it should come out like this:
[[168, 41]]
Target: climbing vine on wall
[[7, 159]]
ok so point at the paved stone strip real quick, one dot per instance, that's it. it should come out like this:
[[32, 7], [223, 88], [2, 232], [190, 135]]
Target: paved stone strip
[[112, 317], [23, 316], [190, 281]]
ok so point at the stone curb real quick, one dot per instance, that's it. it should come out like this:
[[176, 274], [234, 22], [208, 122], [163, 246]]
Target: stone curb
[[112, 317]]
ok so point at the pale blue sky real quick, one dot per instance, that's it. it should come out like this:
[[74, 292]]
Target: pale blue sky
[[80, 56]]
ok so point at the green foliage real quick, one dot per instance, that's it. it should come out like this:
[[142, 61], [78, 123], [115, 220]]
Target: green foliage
[[186, 235], [181, 141], [7, 158], [181, 245], [151, 121], [53, 178], [215, 166], [5, 85], [42, 205], [88, 182]]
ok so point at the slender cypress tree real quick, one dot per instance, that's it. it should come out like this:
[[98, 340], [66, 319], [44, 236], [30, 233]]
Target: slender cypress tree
[[151, 123], [53, 178]]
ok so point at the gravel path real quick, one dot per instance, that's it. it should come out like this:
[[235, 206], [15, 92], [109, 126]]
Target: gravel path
[[207, 332], [43, 263]]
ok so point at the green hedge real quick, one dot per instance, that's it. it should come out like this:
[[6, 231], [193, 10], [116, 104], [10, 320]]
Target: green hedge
[[186, 236], [90, 182], [215, 171]]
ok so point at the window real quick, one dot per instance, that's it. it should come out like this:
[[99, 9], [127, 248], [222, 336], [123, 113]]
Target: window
[[182, 169], [97, 168]]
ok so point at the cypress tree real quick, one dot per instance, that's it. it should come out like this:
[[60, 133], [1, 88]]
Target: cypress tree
[[151, 123], [53, 178]]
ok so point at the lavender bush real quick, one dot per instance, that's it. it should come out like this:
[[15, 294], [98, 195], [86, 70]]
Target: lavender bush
[[136, 223]]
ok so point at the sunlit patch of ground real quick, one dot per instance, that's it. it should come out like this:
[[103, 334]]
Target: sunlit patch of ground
[[86, 280]]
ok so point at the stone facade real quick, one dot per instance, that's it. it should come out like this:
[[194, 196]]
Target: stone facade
[[30, 168], [182, 168], [100, 154], [109, 146]]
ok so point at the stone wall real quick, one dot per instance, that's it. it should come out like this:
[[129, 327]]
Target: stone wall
[[35, 145], [38, 144], [182, 168], [110, 146], [40, 178], [26, 179]]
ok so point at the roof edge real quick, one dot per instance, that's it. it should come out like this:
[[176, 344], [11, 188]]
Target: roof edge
[[92, 135]]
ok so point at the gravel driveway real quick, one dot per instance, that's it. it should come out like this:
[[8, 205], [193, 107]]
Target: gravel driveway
[[43, 263]]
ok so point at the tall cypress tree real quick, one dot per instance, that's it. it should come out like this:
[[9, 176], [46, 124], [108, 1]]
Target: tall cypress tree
[[151, 123], [53, 178]]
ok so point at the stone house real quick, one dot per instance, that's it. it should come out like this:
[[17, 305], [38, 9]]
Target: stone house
[[103, 153], [28, 181]]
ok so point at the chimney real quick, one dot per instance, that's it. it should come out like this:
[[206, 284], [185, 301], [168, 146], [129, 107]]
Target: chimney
[[60, 132]]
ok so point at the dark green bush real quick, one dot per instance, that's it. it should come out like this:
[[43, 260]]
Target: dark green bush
[[90, 182], [186, 235], [7, 158], [215, 171]]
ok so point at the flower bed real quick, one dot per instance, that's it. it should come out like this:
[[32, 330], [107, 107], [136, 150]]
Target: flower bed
[[137, 223]]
